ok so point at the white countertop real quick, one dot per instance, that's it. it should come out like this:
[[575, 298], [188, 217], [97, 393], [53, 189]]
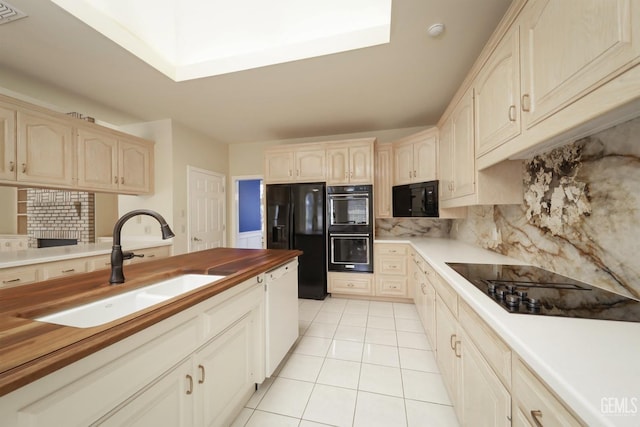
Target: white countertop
[[59, 253], [588, 363]]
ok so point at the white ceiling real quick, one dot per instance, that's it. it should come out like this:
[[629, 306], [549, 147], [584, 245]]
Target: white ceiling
[[405, 83]]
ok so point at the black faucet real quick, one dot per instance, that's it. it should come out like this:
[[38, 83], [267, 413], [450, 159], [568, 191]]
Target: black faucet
[[117, 256]]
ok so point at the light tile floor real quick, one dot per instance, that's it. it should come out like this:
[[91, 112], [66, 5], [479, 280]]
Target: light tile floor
[[357, 363]]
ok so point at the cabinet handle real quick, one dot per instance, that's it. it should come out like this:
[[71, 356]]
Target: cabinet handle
[[350, 285], [151, 256], [414, 174], [409, 174], [289, 172], [202, 373], [190, 379], [11, 281], [424, 292], [535, 414], [452, 341], [24, 168], [297, 172], [122, 180], [526, 102], [512, 113], [115, 179], [12, 166], [71, 270], [455, 350], [259, 279]]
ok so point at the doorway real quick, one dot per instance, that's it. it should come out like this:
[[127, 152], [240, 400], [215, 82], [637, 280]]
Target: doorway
[[206, 201], [249, 214]]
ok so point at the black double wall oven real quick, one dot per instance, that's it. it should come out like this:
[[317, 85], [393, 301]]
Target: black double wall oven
[[350, 228]]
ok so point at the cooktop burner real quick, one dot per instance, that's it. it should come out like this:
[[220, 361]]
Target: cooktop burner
[[525, 289]]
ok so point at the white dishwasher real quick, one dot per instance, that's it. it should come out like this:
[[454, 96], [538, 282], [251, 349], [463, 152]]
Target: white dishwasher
[[281, 286]]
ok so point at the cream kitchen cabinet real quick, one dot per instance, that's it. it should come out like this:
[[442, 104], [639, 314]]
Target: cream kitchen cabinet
[[205, 363], [391, 272], [382, 181], [497, 95], [448, 346], [415, 158], [7, 143], [535, 404], [114, 162], [350, 283], [45, 150], [350, 162], [51, 270], [17, 276], [295, 163]]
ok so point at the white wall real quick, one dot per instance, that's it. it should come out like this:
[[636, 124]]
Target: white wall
[[8, 210]]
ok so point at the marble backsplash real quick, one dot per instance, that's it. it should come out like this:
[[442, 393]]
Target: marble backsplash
[[580, 215], [408, 227]]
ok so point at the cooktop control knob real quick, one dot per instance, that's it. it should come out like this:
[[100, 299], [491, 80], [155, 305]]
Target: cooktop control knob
[[511, 289], [522, 294], [512, 300], [501, 293], [533, 303], [491, 287]]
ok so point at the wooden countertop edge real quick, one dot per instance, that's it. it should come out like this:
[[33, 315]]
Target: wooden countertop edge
[[18, 368]]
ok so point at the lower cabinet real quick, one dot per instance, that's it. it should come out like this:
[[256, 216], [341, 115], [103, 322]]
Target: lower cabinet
[[350, 283], [198, 367], [448, 348]]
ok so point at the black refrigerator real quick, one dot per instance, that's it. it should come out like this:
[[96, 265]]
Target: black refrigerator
[[295, 220]]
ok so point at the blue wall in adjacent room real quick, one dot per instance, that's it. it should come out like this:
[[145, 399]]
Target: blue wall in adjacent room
[[249, 205]]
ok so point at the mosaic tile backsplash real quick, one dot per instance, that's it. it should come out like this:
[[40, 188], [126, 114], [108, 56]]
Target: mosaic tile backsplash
[[580, 215]]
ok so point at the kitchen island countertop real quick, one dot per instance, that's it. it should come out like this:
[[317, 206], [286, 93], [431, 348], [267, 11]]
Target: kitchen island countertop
[[30, 349], [588, 363]]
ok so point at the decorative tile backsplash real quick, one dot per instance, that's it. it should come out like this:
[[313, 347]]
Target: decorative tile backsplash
[[407, 227], [580, 215]]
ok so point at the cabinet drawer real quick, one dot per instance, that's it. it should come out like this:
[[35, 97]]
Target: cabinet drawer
[[351, 283], [18, 276], [446, 292], [391, 264], [64, 268], [496, 352], [392, 286], [536, 401], [390, 249], [99, 262]]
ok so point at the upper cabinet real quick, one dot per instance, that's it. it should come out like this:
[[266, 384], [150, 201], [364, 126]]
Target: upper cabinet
[[497, 95], [44, 150], [110, 161], [382, 180], [350, 162], [555, 70], [295, 163], [415, 158], [7, 144]]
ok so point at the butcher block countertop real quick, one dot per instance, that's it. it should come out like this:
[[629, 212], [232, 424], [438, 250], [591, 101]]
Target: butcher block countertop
[[30, 349]]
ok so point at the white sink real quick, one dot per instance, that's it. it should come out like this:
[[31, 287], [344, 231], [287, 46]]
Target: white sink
[[115, 307]]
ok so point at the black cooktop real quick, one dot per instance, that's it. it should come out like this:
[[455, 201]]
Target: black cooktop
[[525, 289]]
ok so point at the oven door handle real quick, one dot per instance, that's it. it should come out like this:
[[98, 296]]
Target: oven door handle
[[349, 235]]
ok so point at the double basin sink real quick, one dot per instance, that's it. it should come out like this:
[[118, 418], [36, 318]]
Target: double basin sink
[[112, 308]]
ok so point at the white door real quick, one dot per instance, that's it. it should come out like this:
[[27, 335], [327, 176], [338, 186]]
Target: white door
[[206, 209]]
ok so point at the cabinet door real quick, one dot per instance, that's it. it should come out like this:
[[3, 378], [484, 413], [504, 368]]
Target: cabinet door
[[70, 267], [310, 165], [278, 166], [168, 402], [403, 164], [483, 400], [391, 286], [350, 283], [134, 167], [463, 147], [497, 95], [97, 160], [447, 343], [7, 144], [571, 47], [45, 150], [445, 161], [382, 176], [424, 159], [361, 164], [227, 359], [338, 165]]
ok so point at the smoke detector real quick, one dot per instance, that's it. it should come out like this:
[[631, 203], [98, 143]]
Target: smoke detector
[[435, 30], [9, 13]]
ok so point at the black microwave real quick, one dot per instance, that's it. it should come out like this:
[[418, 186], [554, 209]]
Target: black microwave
[[416, 200]]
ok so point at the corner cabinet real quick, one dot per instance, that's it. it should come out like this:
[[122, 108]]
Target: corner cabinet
[[350, 162], [44, 150], [415, 158], [111, 161]]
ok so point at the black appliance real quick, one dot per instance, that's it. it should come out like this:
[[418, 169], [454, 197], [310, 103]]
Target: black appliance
[[524, 289], [350, 228], [295, 220], [419, 199]]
